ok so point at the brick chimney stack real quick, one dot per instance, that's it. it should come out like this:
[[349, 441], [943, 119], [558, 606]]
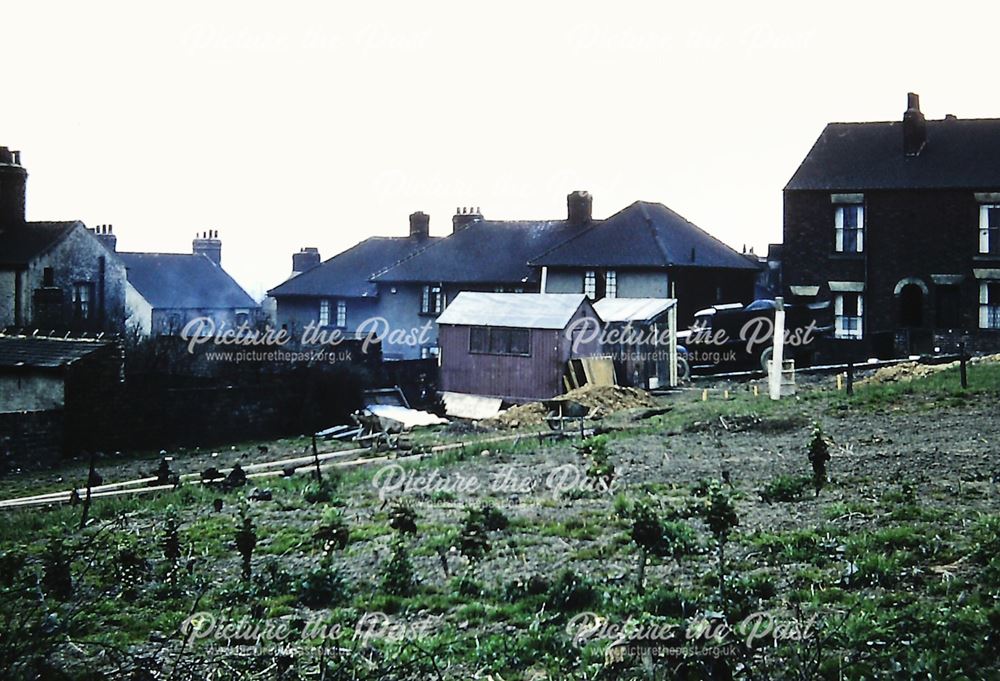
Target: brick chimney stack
[[306, 259], [13, 181], [464, 217], [106, 235], [914, 126], [579, 208], [208, 244], [420, 225]]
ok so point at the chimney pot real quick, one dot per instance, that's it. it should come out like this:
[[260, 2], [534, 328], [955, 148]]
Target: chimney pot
[[305, 259], [914, 126], [465, 216]]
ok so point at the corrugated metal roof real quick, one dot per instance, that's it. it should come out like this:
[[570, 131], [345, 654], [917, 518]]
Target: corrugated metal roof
[[632, 309], [518, 310], [45, 353]]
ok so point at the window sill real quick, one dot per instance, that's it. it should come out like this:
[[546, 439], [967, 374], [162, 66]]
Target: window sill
[[847, 256]]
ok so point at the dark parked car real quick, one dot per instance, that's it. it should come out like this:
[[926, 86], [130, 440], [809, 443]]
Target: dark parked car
[[734, 337]]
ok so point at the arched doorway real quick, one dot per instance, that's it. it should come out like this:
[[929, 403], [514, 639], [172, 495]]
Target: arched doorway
[[911, 306]]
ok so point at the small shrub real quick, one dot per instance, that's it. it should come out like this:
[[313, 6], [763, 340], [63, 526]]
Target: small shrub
[[246, 541], [600, 469], [570, 592], [819, 455], [535, 585], [403, 518], [784, 488], [322, 587], [57, 579], [332, 531], [397, 573]]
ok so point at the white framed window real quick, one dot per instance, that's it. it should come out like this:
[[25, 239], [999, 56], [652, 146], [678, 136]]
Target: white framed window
[[341, 313], [989, 305], [989, 229], [590, 284], [610, 284], [848, 310], [83, 293], [324, 313], [849, 226], [431, 300]]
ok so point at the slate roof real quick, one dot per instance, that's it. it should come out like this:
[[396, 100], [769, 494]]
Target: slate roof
[[20, 244], [183, 280], [484, 251], [44, 353], [644, 235], [959, 154], [348, 274], [517, 310], [632, 309]]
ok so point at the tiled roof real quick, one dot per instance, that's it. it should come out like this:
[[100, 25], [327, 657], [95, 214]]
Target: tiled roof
[[348, 274], [958, 154], [484, 251], [20, 244], [183, 281], [644, 235]]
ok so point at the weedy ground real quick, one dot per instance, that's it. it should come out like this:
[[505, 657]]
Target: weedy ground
[[490, 559]]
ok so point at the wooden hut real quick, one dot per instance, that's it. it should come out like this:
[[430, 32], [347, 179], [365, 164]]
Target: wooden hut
[[514, 345]]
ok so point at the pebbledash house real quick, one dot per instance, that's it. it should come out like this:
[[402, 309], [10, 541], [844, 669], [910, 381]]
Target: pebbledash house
[[898, 224]]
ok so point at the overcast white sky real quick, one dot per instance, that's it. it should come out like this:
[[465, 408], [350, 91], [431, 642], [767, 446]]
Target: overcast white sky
[[315, 123]]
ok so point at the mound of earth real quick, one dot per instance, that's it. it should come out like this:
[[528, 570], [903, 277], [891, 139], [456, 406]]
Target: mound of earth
[[610, 398]]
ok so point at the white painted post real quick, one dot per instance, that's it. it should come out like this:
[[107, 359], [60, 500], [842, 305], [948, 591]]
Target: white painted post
[[672, 349], [545, 279], [778, 356]]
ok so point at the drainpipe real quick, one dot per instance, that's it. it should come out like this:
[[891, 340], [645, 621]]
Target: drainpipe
[[545, 279]]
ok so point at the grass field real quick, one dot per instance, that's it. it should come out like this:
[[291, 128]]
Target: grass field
[[690, 545]]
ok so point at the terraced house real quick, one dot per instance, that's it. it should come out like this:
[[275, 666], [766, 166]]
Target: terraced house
[[898, 224]]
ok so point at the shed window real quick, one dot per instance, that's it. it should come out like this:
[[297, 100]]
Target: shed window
[[849, 223], [494, 340], [989, 229], [989, 305]]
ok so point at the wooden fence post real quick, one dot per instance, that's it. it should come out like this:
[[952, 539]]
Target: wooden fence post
[[961, 365], [850, 378]]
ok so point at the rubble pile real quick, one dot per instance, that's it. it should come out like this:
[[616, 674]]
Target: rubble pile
[[906, 371], [610, 398], [522, 415]]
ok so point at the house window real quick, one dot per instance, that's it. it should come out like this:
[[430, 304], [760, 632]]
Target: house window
[[431, 300], [848, 310], [491, 340], [590, 284], [611, 284], [989, 305], [947, 306], [989, 229], [324, 313], [341, 313], [83, 294], [242, 316], [48, 277], [850, 229]]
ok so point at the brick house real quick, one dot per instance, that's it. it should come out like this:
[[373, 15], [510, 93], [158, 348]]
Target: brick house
[[898, 225], [54, 276]]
